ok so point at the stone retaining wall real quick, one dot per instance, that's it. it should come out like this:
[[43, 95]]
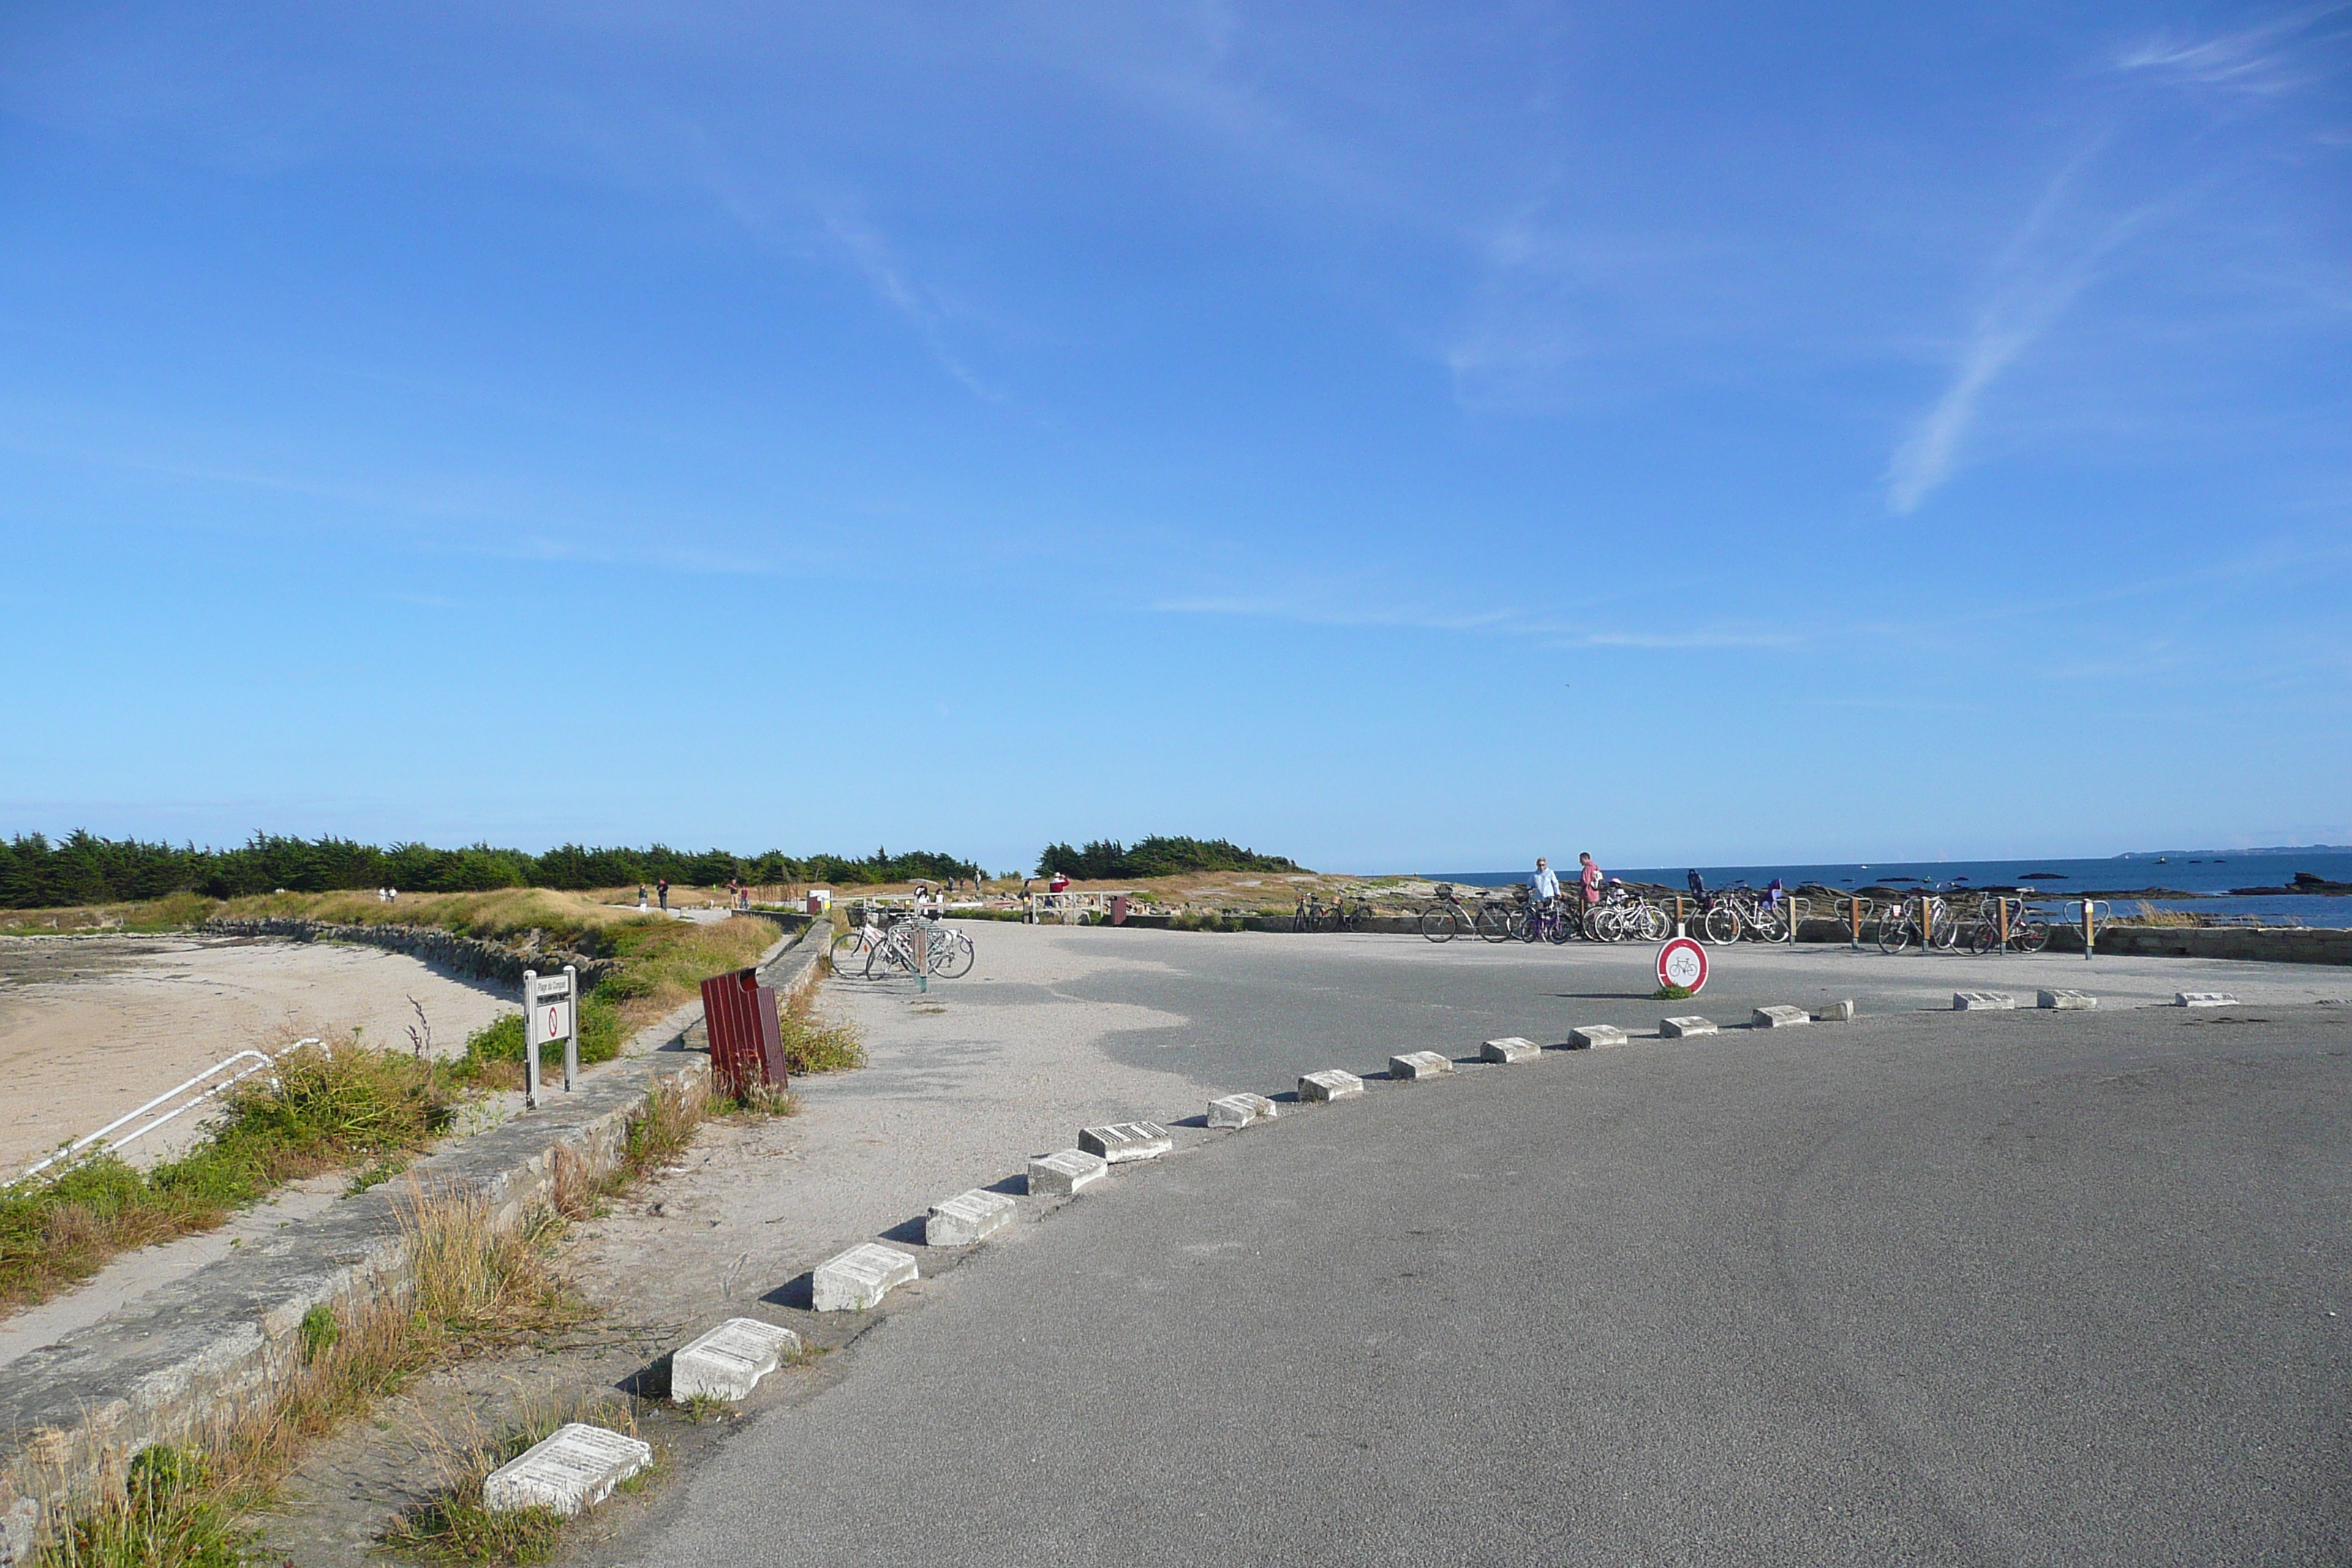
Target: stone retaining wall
[[471, 957]]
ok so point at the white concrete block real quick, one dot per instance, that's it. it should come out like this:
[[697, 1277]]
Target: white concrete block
[[1683, 1029], [1836, 1012], [726, 1363], [858, 1280], [1065, 1171], [967, 1219], [1329, 1084], [1509, 1048], [1240, 1110], [1126, 1141], [1414, 1065], [2204, 999], [1782, 1018], [1982, 1002], [573, 1469], [1593, 1036], [2065, 1000]]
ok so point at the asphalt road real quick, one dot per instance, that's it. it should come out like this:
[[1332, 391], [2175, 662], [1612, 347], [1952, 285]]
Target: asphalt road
[[1257, 1010], [2020, 1288]]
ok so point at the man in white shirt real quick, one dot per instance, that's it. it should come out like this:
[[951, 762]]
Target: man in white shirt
[[1544, 886]]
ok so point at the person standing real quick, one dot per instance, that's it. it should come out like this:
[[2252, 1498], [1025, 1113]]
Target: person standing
[[1591, 879], [1543, 895], [661, 889]]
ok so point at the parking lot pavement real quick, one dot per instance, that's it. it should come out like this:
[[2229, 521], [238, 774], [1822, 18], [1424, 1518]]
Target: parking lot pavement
[[1250, 1011], [1976, 1287]]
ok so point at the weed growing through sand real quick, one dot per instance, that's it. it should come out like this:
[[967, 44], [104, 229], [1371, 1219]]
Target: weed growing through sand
[[811, 1045], [456, 1527], [1673, 993]]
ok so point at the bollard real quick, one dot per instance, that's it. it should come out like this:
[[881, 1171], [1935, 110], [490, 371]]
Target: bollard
[[2089, 931], [1678, 916], [2004, 923], [1856, 910], [1927, 923]]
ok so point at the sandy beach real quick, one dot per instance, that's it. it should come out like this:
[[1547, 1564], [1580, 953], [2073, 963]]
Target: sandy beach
[[91, 1026]]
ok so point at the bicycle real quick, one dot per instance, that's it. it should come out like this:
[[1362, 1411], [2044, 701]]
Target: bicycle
[[1924, 918], [2006, 922], [1448, 918], [1621, 917], [946, 953], [1760, 918], [1542, 922]]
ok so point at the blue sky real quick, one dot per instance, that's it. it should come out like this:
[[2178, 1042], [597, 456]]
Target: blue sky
[[1396, 437]]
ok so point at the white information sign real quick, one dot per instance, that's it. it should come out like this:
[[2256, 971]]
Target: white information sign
[[551, 1012], [552, 1009]]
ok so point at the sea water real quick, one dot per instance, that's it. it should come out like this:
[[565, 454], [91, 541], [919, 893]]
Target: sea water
[[2213, 874]]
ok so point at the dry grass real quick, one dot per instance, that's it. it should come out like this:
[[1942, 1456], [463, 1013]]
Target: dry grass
[[2147, 914], [813, 1044], [461, 1455], [471, 1284]]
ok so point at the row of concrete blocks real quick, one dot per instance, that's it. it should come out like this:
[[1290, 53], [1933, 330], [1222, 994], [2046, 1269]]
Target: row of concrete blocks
[[579, 1465], [2073, 1001]]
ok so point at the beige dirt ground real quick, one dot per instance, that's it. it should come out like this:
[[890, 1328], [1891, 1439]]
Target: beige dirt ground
[[91, 1026]]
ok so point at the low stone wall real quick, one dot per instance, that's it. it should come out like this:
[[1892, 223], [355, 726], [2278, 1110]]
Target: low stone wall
[[2270, 944], [180, 1364], [471, 957]]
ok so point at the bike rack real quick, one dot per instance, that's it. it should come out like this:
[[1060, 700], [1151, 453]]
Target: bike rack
[[261, 1063], [2090, 919]]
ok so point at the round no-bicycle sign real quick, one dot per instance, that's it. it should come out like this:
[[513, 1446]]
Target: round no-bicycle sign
[[1683, 963]]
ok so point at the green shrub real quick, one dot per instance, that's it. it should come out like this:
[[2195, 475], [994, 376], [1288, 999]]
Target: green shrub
[[502, 1041]]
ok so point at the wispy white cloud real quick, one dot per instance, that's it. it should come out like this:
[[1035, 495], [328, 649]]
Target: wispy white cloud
[[2037, 275], [1550, 630], [2265, 61], [878, 263]]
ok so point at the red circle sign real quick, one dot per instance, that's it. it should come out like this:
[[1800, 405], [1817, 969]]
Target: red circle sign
[[1683, 963]]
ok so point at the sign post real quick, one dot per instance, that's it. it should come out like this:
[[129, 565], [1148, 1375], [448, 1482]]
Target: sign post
[[1682, 962], [551, 1012]]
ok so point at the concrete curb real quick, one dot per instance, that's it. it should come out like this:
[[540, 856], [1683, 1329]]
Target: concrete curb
[[184, 1362]]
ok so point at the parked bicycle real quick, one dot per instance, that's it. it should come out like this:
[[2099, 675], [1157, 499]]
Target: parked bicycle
[[2005, 923], [1342, 913], [1620, 916], [1449, 917], [1925, 918], [879, 950]]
